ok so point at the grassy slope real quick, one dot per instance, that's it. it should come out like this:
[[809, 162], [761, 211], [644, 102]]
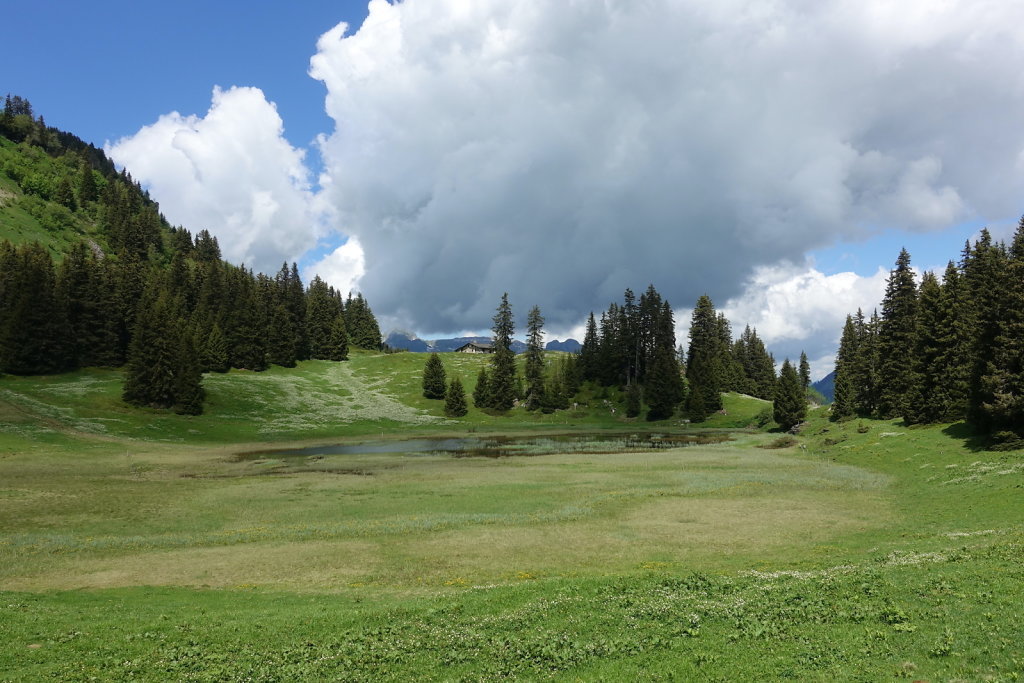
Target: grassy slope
[[18, 225], [867, 555]]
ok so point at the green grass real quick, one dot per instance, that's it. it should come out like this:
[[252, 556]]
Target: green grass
[[29, 219], [133, 544]]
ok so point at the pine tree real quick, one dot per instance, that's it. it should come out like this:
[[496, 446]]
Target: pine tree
[[844, 403], [865, 365], [1003, 379], [984, 277], [281, 338], [790, 405], [730, 369], [501, 383], [337, 340], [482, 390], [534, 359], [663, 389], [929, 400], [87, 191], [214, 354], [956, 343], [589, 352], [896, 340], [33, 329], [805, 371], [151, 375], [188, 390], [434, 378], [703, 362], [321, 311], [455, 399]]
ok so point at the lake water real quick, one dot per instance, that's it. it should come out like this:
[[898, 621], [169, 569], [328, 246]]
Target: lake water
[[497, 447]]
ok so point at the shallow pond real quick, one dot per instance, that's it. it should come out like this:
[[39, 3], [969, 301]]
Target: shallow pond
[[498, 447]]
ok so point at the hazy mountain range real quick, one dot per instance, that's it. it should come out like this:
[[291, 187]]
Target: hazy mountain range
[[398, 339]]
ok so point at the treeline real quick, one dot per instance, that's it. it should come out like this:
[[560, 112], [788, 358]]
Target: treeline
[[633, 348], [156, 299], [170, 321], [943, 351]]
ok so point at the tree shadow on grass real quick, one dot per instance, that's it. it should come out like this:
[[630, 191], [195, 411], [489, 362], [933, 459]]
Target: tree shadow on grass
[[972, 440]]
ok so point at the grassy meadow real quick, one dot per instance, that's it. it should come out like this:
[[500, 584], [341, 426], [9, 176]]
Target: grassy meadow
[[142, 545]]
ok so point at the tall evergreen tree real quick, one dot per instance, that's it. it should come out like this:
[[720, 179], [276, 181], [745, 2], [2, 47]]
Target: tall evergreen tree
[[984, 277], [1003, 378], [154, 357], [896, 340], [337, 340], [955, 343], [434, 382], [844, 404], [928, 398], [214, 354], [703, 365], [790, 406], [188, 381], [805, 371], [589, 352], [503, 361], [281, 337], [534, 359], [321, 311], [865, 365]]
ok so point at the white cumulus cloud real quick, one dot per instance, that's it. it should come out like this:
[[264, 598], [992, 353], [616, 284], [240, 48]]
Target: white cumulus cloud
[[232, 173], [563, 151]]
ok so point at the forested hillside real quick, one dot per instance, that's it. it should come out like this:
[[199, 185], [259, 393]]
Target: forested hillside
[[943, 351], [91, 274]]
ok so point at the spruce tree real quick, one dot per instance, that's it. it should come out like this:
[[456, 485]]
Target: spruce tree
[[501, 383], [790, 405], [844, 403], [663, 389], [337, 340], [281, 338], [929, 400], [534, 359], [588, 361], [87, 191], [214, 354], [956, 343], [455, 399], [896, 340], [984, 277], [865, 365], [434, 384], [805, 371], [321, 311], [1003, 379], [154, 356], [188, 390], [703, 365], [482, 390]]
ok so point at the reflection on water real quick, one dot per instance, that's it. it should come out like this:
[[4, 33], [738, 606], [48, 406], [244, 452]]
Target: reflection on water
[[497, 447]]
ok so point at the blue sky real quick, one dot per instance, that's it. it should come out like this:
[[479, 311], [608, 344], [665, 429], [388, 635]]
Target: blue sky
[[104, 69], [558, 151]]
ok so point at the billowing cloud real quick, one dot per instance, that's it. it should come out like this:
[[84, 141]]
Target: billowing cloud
[[564, 151], [798, 310], [232, 173], [341, 268]]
